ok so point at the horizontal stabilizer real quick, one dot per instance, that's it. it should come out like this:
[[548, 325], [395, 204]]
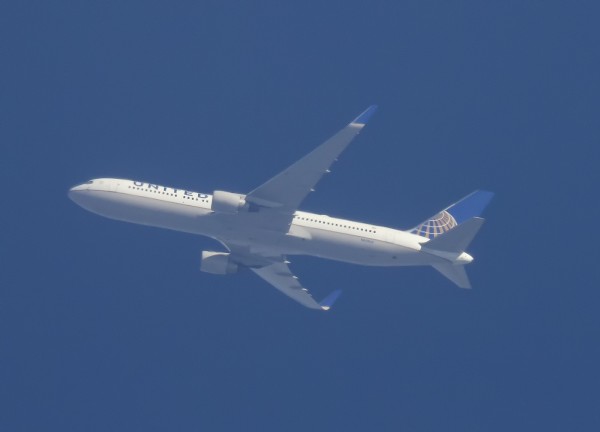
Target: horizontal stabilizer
[[457, 239], [456, 273]]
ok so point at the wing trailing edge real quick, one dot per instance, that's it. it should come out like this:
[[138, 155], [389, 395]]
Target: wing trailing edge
[[278, 275], [287, 190]]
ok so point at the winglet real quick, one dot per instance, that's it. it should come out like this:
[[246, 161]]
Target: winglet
[[328, 301], [365, 116]]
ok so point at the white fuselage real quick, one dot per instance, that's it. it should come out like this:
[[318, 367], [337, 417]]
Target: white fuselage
[[309, 234]]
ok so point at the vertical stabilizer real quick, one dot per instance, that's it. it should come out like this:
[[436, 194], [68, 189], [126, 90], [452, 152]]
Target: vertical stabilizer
[[451, 246], [470, 206], [456, 240]]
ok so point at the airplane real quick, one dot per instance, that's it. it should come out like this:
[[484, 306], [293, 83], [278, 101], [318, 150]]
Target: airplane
[[264, 227]]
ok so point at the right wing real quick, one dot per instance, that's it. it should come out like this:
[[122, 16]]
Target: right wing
[[279, 198], [287, 190], [274, 270], [279, 275]]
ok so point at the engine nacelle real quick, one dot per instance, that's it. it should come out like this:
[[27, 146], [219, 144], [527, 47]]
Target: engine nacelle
[[217, 263], [227, 202]]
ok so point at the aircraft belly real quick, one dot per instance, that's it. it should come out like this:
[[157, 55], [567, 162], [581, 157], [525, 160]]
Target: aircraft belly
[[262, 228], [146, 211], [351, 248], [326, 244]]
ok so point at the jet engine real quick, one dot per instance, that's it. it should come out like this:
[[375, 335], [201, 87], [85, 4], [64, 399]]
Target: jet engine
[[227, 202], [217, 263]]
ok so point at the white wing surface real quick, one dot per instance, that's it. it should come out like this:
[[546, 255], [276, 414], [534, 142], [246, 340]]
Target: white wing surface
[[278, 199], [279, 275], [275, 270], [287, 190]]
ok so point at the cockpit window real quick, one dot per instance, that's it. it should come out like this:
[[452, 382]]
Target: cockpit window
[[89, 182]]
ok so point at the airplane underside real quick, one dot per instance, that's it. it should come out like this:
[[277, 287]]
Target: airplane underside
[[323, 244], [262, 228]]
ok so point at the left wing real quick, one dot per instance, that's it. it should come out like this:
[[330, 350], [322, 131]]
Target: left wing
[[279, 275], [287, 190]]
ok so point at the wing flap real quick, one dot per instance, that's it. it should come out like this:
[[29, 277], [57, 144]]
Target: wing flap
[[279, 275]]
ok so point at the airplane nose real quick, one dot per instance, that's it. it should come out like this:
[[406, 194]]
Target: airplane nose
[[76, 191], [79, 187]]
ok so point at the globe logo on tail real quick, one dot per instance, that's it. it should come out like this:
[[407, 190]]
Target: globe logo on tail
[[438, 224]]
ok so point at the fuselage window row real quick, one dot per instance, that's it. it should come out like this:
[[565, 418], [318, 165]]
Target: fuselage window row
[[337, 225], [166, 193]]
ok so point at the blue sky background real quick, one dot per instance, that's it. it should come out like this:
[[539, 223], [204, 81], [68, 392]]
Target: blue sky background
[[110, 326]]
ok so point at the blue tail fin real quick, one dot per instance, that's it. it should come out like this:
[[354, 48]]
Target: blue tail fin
[[470, 206]]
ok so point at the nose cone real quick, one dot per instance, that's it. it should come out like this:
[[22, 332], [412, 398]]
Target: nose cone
[[77, 192]]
